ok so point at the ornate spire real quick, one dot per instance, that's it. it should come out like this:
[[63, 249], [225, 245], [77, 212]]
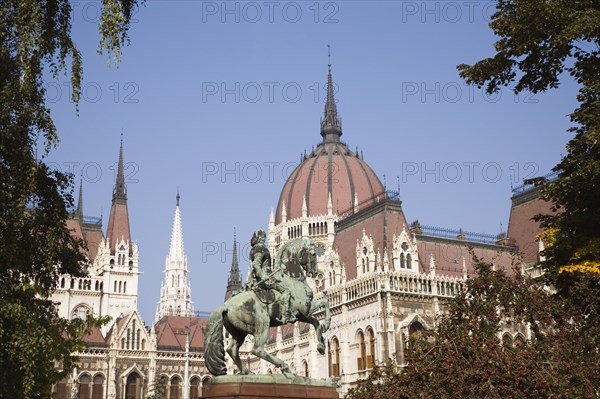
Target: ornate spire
[[331, 124], [118, 220], [234, 282], [176, 293], [79, 211], [120, 192], [176, 252]]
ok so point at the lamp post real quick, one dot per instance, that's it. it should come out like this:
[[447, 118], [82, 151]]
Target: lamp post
[[107, 371], [186, 373]]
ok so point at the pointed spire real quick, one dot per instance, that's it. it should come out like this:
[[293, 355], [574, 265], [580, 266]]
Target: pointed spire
[[272, 218], [304, 207], [118, 219], [120, 192], [329, 205], [176, 251], [176, 293], [283, 213], [79, 211], [331, 125], [234, 282]]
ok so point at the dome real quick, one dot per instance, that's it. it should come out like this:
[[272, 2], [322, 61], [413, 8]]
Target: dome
[[331, 168]]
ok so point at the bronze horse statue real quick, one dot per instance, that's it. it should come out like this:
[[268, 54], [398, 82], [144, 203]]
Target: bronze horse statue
[[247, 312]]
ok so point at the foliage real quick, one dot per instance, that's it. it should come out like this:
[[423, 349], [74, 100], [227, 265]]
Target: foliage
[[159, 388], [539, 40], [36, 245], [466, 358]]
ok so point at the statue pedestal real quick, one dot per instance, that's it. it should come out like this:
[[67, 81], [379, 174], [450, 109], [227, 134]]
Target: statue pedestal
[[268, 386]]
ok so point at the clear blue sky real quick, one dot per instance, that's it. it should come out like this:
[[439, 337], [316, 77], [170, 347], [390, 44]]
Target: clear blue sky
[[221, 98]]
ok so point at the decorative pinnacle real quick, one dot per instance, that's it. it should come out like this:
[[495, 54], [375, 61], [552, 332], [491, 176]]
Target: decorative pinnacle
[[120, 191], [331, 126], [79, 211], [177, 197]]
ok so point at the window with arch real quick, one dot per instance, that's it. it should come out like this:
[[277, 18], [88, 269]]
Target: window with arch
[[195, 388], [334, 357], [408, 261], [415, 331], [305, 368], [175, 388], [507, 340], [81, 312], [62, 282], [98, 387], [85, 386], [519, 340], [361, 359], [124, 286], [402, 261], [371, 348], [115, 289], [133, 386]]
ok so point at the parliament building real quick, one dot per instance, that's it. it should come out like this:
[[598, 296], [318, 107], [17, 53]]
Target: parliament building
[[386, 279]]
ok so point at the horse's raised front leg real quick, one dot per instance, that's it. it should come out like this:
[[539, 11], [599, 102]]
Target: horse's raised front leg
[[315, 322], [320, 328], [320, 304]]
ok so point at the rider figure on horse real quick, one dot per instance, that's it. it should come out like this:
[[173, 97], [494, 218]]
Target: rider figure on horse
[[260, 258]]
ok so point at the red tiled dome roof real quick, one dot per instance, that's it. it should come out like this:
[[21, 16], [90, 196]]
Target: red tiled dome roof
[[331, 168]]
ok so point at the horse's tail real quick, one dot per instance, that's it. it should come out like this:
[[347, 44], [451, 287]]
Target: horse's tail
[[214, 352]]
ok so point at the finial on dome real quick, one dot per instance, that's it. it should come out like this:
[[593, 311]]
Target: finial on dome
[[177, 197], [331, 125]]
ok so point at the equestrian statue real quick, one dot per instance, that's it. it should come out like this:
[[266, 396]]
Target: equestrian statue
[[274, 295]]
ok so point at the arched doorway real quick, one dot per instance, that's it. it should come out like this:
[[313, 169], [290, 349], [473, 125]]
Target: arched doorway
[[133, 386]]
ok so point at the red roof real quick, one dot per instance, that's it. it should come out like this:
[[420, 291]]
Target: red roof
[[95, 338], [171, 332], [118, 223], [522, 228], [332, 167]]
